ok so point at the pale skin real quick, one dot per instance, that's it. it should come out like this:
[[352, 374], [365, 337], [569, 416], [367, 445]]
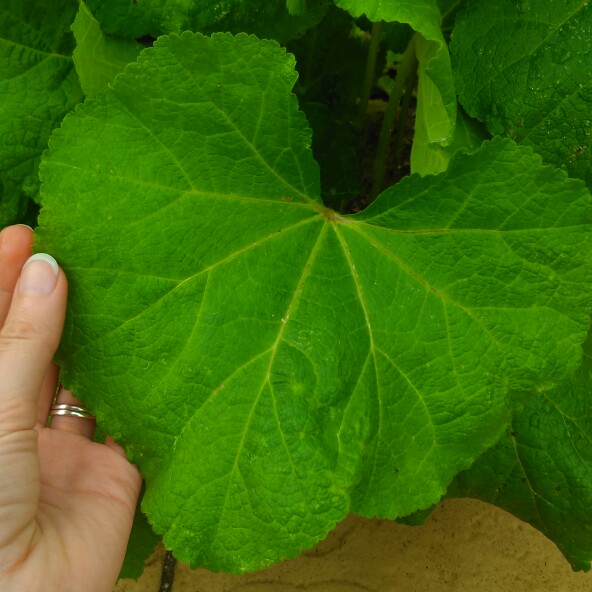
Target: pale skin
[[66, 502]]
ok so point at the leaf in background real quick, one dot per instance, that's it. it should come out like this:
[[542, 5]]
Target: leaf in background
[[268, 363], [13, 204], [153, 17], [337, 147], [434, 72], [449, 9], [141, 546], [541, 471], [142, 541], [296, 7], [431, 159], [524, 69], [99, 57], [396, 36], [38, 86], [331, 63]]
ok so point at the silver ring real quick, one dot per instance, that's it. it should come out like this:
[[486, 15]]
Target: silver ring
[[70, 411]]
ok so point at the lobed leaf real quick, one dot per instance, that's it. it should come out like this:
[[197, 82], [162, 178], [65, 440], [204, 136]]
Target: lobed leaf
[[524, 69], [269, 364]]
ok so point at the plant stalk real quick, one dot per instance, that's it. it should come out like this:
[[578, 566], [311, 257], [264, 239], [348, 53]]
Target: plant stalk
[[407, 68], [402, 123], [370, 70], [167, 578]]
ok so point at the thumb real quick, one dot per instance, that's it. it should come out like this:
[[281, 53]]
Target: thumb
[[29, 339]]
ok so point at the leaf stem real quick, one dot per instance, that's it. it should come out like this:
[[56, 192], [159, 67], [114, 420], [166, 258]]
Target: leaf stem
[[407, 68], [370, 70], [167, 577], [402, 123]]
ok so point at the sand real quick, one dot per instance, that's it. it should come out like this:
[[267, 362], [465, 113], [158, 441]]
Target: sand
[[465, 546]]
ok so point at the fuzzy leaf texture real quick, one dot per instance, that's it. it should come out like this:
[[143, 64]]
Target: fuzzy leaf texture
[[269, 364], [38, 86], [524, 69], [541, 470]]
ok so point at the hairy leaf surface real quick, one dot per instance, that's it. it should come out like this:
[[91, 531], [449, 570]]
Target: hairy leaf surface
[[524, 69], [38, 86], [268, 363]]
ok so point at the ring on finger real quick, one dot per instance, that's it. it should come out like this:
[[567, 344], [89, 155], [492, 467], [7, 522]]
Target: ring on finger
[[63, 409]]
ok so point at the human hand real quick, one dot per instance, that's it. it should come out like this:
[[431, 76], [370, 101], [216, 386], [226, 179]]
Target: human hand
[[66, 503]]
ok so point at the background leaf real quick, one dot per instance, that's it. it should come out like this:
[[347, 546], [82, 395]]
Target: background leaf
[[541, 470], [99, 57], [268, 363], [430, 159], [331, 61], [524, 69], [38, 86], [141, 545], [434, 72], [153, 17]]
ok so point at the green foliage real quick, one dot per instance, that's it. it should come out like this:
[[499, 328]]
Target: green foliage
[[436, 107], [329, 87], [142, 544], [38, 86], [524, 69], [553, 430], [153, 17], [99, 57], [272, 364]]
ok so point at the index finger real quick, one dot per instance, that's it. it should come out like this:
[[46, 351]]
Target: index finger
[[15, 249]]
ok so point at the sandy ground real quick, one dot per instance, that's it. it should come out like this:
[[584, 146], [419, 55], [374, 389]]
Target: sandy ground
[[465, 546]]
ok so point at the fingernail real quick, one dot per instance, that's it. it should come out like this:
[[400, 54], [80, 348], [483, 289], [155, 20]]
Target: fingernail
[[39, 275], [25, 226]]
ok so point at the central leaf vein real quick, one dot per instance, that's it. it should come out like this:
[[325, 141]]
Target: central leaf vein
[[267, 377]]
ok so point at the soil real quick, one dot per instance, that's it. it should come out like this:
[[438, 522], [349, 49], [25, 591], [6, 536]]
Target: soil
[[465, 546]]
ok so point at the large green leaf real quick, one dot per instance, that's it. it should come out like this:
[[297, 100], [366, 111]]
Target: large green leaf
[[99, 57], [38, 86], [541, 470], [434, 72], [268, 363], [154, 17], [524, 69]]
